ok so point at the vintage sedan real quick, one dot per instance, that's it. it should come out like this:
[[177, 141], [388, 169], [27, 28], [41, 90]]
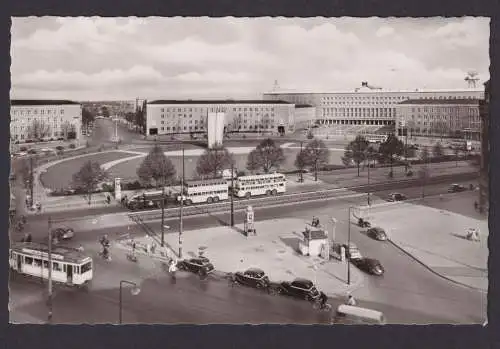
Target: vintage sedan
[[396, 197], [369, 265], [199, 265], [252, 277], [62, 233], [456, 188], [300, 288], [377, 233]]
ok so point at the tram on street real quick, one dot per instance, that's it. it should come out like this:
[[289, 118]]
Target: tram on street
[[205, 191], [265, 184], [69, 266], [375, 138]]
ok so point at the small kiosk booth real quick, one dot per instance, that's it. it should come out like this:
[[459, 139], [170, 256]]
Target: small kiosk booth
[[315, 242]]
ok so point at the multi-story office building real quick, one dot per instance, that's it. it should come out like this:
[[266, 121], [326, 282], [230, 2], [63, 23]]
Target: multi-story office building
[[485, 151], [366, 105], [190, 116], [31, 120], [440, 118]]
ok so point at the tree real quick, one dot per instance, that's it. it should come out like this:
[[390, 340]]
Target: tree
[[392, 146], [39, 129], [87, 116], [316, 155], [213, 161], [301, 162], [356, 151], [410, 151], [267, 155], [88, 177], [68, 130], [437, 150], [157, 167], [105, 111], [440, 127]]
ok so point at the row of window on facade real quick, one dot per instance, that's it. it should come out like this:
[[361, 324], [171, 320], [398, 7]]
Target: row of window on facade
[[392, 98], [473, 110], [222, 109], [17, 136], [35, 111], [196, 128], [28, 120]]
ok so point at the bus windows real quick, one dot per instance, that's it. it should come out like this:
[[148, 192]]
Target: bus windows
[[56, 266], [46, 264], [28, 260]]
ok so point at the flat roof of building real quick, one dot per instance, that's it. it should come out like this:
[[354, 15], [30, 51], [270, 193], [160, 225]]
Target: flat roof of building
[[226, 101], [363, 90], [441, 101], [21, 102]]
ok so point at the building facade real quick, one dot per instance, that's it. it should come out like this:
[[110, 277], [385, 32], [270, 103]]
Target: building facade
[[189, 116], [366, 105], [33, 120], [484, 170], [305, 115], [440, 118]]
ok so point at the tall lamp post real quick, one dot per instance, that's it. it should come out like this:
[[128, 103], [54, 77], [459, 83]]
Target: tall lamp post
[[49, 295], [134, 291], [348, 247], [182, 205], [232, 194]]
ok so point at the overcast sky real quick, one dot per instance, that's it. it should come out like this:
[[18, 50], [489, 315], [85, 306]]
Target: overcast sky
[[124, 58]]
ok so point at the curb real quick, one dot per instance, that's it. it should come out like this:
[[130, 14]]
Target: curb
[[433, 271]]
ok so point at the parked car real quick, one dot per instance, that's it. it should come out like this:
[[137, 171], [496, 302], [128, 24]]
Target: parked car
[[377, 233], [252, 277], [369, 265], [63, 233], [396, 197], [300, 288], [352, 251], [456, 188], [199, 265]]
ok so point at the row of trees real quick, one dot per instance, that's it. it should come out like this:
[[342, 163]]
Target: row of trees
[[40, 129]]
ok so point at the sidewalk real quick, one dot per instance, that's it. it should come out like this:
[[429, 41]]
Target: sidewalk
[[438, 240], [273, 249]]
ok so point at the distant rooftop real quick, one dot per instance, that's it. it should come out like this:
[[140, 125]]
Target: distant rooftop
[[441, 101], [226, 101], [40, 102]]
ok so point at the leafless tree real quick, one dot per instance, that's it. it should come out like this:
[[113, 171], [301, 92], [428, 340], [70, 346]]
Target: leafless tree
[[39, 129]]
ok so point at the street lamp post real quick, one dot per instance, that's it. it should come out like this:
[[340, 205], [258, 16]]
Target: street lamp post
[[348, 247], [49, 295], [135, 291], [301, 171], [232, 194], [182, 205], [163, 215]]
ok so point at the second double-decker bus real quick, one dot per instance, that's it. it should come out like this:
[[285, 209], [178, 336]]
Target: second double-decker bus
[[69, 266], [264, 184], [205, 191]]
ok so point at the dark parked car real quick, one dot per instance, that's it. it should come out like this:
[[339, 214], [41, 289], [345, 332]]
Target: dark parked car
[[369, 265], [63, 233], [300, 288], [199, 265], [252, 277], [456, 188], [377, 233], [397, 197]]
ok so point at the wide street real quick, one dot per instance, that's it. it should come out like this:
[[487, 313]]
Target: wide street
[[407, 293]]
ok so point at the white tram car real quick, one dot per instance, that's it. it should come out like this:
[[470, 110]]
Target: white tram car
[[69, 266]]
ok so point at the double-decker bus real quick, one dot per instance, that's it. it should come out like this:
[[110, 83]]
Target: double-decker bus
[[375, 138], [69, 266], [265, 184], [205, 191]]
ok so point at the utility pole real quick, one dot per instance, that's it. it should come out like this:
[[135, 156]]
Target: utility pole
[[301, 171], [32, 180], [182, 205], [349, 247], [49, 296], [163, 214], [232, 194]]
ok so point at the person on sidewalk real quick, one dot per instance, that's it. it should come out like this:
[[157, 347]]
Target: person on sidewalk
[[351, 301]]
